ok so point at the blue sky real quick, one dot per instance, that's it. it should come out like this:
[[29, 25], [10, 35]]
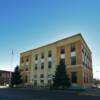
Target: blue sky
[[27, 24]]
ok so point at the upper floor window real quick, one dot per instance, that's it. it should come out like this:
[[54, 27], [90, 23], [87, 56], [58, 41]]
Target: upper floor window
[[27, 60], [41, 75], [22, 60], [49, 53], [73, 60], [73, 53], [49, 64], [72, 47], [42, 65], [36, 57], [35, 66], [82, 48], [62, 51], [42, 55], [26, 69], [35, 76]]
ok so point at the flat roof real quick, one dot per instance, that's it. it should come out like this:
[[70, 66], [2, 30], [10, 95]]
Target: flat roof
[[78, 34], [5, 71]]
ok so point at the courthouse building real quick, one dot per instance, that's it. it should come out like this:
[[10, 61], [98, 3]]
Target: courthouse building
[[38, 66]]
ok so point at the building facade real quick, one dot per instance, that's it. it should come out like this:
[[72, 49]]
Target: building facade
[[38, 66], [4, 77]]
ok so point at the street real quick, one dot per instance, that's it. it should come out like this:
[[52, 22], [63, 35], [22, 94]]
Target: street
[[30, 94]]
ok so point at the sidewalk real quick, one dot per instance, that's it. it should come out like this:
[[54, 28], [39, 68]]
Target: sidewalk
[[85, 92], [90, 92]]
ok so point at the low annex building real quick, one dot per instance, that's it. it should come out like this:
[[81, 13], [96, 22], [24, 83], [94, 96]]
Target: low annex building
[[38, 66], [4, 77]]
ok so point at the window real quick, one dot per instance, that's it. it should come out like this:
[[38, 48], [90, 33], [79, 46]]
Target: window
[[42, 55], [82, 47], [26, 79], [72, 47], [0, 74], [35, 76], [74, 77], [83, 63], [82, 50], [84, 79], [49, 54], [83, 58], [27, 60], [42, 65], [49, 64], [41, 75], [73, 53], [73, 60], [26, 69], [36, 57], [35, 66], [62, 60], [49, 82], [87, 78], [42, 81], [35, 82], [62, 51]]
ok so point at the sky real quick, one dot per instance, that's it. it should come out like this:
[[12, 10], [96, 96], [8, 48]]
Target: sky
[[27, 24]]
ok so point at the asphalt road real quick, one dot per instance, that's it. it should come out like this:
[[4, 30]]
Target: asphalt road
[[30, 94]]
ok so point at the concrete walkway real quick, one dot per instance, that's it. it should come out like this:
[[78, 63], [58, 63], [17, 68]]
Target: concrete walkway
[[90, 92]]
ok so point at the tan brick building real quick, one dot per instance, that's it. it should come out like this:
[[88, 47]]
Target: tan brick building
[[38, 65]]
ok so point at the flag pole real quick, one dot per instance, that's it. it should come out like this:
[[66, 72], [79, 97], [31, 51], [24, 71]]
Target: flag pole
[[11, 67]]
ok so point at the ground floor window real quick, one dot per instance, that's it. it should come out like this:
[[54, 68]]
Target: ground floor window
[[49, 82], [26, 79], [42, 82], [74, 77], [35, 82]]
